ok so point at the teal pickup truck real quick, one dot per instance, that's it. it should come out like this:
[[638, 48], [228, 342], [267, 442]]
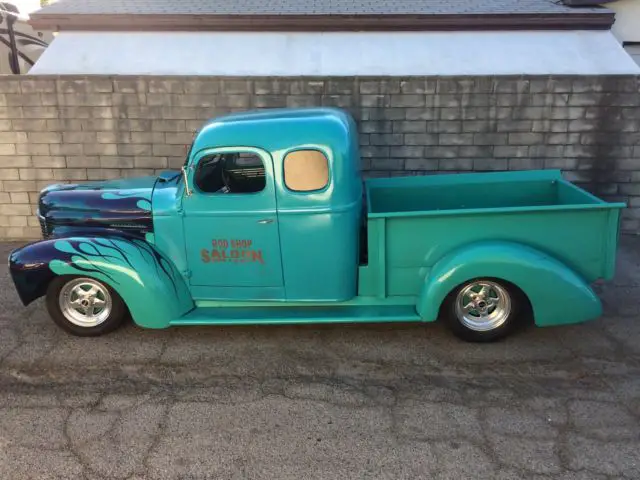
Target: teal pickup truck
[[270, 222]]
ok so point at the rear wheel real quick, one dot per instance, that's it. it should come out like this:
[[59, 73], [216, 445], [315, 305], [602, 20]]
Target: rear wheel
[[84, 306], [482, 310]]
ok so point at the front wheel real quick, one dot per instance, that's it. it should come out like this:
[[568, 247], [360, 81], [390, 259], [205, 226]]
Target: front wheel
[[84, 306], [482, 310]]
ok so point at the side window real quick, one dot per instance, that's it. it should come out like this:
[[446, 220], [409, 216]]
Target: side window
[[306, 171], [230, 173]]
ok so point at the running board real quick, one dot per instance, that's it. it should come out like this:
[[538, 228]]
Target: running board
[[291, 315]]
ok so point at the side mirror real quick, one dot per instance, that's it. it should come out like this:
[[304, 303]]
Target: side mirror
[[186, 183]]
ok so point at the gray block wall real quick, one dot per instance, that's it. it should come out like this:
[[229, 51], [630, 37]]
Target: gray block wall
[[73, 129]]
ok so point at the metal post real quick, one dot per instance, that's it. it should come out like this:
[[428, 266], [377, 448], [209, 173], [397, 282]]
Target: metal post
[[13, 58]]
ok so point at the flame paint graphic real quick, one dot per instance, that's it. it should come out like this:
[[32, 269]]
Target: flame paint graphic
[[106, 256], [143, 203], [149, 283]]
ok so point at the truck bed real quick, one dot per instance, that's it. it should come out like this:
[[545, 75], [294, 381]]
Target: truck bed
[[415, 221], [477, 191]]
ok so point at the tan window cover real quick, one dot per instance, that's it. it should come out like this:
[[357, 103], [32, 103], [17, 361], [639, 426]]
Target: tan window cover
[[306, 170]]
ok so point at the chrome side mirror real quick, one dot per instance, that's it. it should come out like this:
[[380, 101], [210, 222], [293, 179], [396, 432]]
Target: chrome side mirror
[[186, 183]]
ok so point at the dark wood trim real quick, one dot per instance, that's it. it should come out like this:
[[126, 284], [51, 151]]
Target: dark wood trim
[[586, 3], [143, 22]]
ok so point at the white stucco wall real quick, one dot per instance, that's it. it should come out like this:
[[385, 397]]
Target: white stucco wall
[[634, 51], [336, 53], [627, 25]]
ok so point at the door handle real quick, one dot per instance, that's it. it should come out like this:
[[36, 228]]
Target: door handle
[[265, 221]]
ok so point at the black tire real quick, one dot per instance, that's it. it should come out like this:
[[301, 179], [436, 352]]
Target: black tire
[[486, 322], [115, 317]]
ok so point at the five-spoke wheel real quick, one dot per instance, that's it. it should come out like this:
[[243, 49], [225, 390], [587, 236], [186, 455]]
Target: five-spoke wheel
[[85, 302], [84, 306], [482, 310]]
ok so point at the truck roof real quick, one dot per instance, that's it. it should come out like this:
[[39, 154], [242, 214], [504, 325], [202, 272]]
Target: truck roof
[[275, 129], [278, 114]]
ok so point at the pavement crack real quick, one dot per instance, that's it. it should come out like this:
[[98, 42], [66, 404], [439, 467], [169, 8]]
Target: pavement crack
[[88, 470], [563, 437], [156, 438]]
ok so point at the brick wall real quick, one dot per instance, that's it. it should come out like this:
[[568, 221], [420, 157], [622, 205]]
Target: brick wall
[[67, 129]]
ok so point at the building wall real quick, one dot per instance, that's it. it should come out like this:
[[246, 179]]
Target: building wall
[[627, 25], [634, 51], [69, 129]]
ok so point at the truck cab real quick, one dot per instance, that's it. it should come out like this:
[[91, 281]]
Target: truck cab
[[269, 221], [269, 208]]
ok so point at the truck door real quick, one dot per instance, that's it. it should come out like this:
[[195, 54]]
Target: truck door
[[231, 224]]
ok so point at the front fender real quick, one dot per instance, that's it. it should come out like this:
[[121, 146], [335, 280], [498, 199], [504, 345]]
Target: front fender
[[557, 294], [147, 281]]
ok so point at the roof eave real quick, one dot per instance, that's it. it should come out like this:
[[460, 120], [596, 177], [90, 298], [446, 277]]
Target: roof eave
[[309, 23]]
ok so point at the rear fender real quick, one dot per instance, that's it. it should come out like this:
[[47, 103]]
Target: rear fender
[[147, 281], [557, 294]]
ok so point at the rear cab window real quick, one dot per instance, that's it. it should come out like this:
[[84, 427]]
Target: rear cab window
[[306, 171]]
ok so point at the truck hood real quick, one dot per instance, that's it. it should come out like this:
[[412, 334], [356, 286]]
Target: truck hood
[[115, 204]]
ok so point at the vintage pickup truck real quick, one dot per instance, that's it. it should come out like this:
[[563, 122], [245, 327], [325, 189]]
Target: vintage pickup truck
[[270, 222]]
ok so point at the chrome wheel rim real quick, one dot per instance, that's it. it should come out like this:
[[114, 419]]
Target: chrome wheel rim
[[483, 306], [85, 302]]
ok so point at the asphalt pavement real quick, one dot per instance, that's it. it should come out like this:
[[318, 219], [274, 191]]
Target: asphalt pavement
[[322, 402]]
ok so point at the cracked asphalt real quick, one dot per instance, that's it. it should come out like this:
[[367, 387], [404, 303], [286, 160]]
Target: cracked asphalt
[[322, 402]]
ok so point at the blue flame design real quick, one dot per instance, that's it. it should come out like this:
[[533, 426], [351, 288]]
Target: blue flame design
[[104, 256], [143, 201]]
